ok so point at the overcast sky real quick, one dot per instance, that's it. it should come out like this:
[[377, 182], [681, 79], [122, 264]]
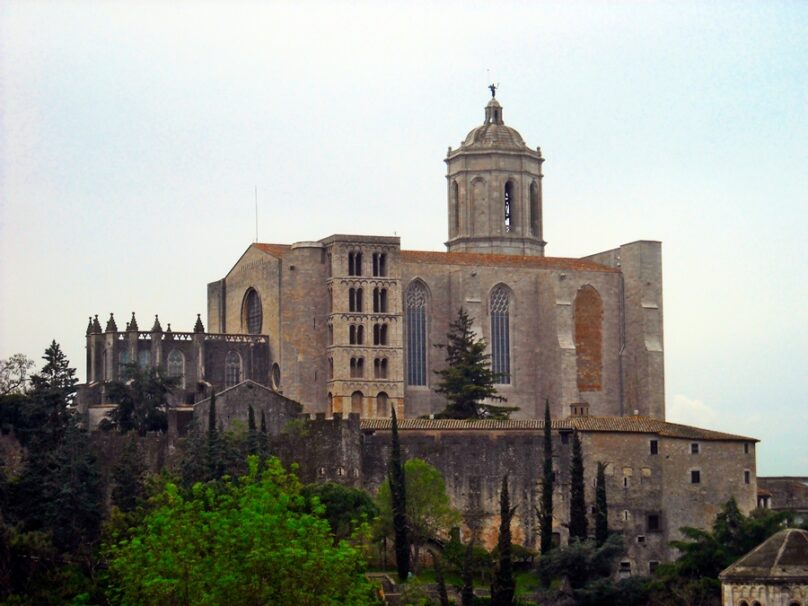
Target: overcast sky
[[132, 136]]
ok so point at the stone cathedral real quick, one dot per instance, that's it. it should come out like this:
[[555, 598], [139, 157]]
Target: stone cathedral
[[344, 327]]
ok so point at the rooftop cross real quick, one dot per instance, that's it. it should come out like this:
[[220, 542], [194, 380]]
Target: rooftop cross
[[493, 88]]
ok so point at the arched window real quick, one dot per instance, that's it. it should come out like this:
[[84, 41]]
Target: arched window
[[232, 369], [176, 367], [356, 334], [380, 368], [534, 209], [456, 206], [382, 405], [357, 368], [588, 310], [330, 334], [416, 300], [123, 360], [330, 404], [252, 312], [276, 376], [354, 263], [330, 368], [355, 299], [379, 264], [509, 206], [144, 358], [380, 300], [356, 402], [380, 334], [500, 335], [743, 603]]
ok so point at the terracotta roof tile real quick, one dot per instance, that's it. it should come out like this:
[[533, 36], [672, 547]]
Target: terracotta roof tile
[[485, 259], [276, 250], [604, 424]]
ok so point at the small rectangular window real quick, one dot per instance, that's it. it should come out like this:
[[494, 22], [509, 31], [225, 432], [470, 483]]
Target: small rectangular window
[[747, 476], [654, 444], [625, 569], [641, 538], [653, 522], [746, 447], [652, 566], [694, 448], [565, 437], [695, 476]]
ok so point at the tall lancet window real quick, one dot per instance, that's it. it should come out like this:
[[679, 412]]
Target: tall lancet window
[[534, 209], [456, 206], [509, 204], [415, 302], [176, 367], [232, 369], [500, 335]]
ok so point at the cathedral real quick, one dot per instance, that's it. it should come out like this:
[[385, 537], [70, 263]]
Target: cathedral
[[349, 323]]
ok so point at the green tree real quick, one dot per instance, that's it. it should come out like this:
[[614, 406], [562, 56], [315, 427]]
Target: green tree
[[252, 432], [396, 499], [545, 512], [582, 562], [503, 587], [601, 507], [428, 510], [238, 543], [215, 452], [346, 508], [467, 575], [128, 477], [56, 375], [142, 400], [263, 438], [14, 374], [467, 379], [578, 521]]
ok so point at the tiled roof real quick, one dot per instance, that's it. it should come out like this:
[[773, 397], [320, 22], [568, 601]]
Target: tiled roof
[[485, 259], [604, 424], [783, 556], [276, 250]]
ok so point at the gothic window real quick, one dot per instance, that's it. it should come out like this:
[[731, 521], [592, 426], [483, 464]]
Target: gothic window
[[380, 334], [416, 300], [500, 335], [355, 299], [144, 358], [354, 263], [123, 360], [534, 209], [456, 206], [509, 206], [276, 376], [357, 368], [379, 264], [252, 312], [176, 367], [356, 334], [380, 300], [380, 368], [382, 405], [232, 369], [588, 310], [356, 402], [330, 403], [330, 368]]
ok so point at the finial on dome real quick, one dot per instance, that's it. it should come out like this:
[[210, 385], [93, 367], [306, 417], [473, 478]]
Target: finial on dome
[[111, 325], [493, 88], [156, 327], [132, 323], [198, 327]]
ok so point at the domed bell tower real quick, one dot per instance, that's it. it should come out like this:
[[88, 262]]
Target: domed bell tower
[[494, 180]]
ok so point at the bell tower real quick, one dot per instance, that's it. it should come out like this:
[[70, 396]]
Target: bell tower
[[494, 189]]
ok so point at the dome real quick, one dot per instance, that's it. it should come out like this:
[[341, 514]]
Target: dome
[[782, 556], [493, 133]]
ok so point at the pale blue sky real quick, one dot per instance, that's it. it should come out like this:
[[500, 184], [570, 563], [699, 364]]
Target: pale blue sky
[[132, 136]]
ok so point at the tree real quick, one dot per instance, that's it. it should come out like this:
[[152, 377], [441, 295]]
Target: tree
[[467, 379], [346, 508], [397, 500], [263, 438], [56, 375], [214, 453], [546, 508], [601, 508], [142, 400], [467, 574], [128, 477], [252, 432], [428, 511], [237, 543], [503, 587], [578, 521], [14, 374]]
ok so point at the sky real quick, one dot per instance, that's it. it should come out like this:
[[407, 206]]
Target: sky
[[133, 136]]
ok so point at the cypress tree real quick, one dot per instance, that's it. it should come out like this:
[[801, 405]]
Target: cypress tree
[[128, 477], [252, 432], [578, 521], [263, 438], [601, 510], [546, 508], [443, 596], [395, 476], [467, 574], [503, 587], [215, 464]]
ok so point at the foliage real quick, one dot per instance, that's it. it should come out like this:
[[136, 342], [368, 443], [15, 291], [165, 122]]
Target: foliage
[[468, 380], [578, 520], [601, 507], [346, 508], [141, 400], [245, 542], [545, 511], [581, 562], [14, 374], [429, 513], [56, 375], [395, 502], [693, 577], [128, 477], [467, 591], [503, 587]]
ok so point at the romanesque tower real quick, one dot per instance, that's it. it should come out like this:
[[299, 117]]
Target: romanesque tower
[[494, 189]]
